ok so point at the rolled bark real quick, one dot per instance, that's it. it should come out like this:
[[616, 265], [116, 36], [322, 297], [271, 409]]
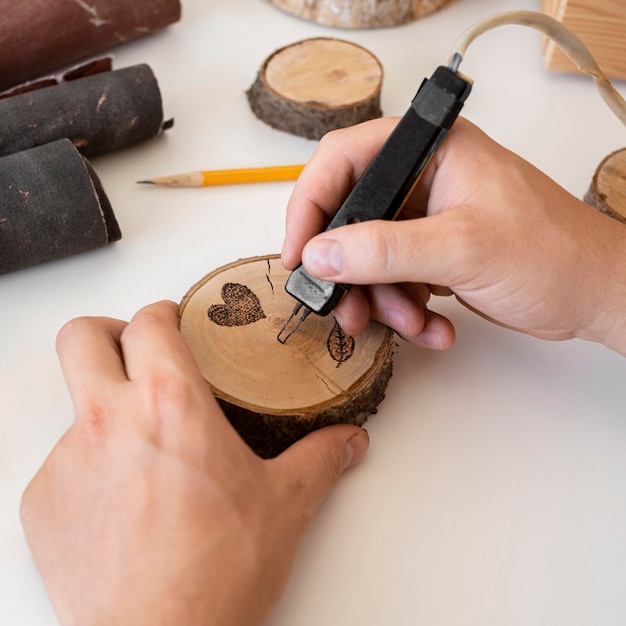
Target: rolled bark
[[275, 393], [52, 205], [317, 85], [39, 36], [360, 13], [607, 191], [99, 114]]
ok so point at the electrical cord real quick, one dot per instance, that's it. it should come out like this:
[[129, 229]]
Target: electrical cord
[[569, 42]]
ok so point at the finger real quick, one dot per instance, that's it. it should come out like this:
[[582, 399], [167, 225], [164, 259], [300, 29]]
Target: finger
[[308, 470], [395, 307], [437, 333], [391, 305], [340, 159], [402, 308], [434, 250], [353, 312], [90, 356], [152, 344]]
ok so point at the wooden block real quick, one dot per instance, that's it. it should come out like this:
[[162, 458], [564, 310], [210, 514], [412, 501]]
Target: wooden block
[[601, 24]]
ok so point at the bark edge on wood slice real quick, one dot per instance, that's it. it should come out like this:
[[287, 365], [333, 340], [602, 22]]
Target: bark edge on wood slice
[[316, 85], [360, 13], [273, 393], [607, 191]]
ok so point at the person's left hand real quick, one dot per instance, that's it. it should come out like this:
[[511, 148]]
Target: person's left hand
[[151, 509]]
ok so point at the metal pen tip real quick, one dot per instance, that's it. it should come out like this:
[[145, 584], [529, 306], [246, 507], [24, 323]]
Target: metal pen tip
[[295, 312]]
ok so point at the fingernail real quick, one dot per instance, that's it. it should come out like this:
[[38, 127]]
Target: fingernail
[[323, 257], [431, 339], [356, 447], [396, 320]]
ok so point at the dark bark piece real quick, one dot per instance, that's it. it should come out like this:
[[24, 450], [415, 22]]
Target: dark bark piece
[[40, 36], [317, 85], [99, 114], [274, 393], [360, 13], [52, 205], [607, 191]]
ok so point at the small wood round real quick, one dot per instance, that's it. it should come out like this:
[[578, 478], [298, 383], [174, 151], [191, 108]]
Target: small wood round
[[360, 13], [276, 393], [607, 191], [317, 85]]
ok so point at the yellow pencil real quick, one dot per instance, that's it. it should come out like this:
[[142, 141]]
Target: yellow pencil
[[229, 177]]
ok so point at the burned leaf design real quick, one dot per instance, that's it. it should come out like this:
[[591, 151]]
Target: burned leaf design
[[241, 307], [340, 346]]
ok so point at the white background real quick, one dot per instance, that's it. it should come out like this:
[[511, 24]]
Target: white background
[[494, 491]]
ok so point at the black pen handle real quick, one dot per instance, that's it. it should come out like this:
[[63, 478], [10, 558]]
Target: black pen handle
[[385, 185]]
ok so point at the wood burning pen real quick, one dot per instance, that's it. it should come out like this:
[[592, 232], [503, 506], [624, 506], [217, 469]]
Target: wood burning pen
[[385, 185]]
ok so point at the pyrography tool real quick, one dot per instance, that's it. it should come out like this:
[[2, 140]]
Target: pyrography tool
[[383, 188]]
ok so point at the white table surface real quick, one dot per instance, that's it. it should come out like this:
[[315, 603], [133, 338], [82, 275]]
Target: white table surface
[[494, 491]]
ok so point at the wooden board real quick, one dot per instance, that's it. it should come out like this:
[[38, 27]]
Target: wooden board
[[275, 393], [601, 24]]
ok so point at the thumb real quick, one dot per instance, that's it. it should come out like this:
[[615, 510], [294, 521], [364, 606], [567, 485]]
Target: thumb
[[311, 467], [378, 251]]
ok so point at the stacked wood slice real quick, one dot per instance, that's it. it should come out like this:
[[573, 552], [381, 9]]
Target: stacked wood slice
[[317, 85], [360, 13], [275, 393], [607, 191]]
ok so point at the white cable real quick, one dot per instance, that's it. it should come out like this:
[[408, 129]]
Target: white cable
[[570, 43]]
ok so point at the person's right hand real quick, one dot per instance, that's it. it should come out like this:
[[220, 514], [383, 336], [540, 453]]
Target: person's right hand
[[499, 234]]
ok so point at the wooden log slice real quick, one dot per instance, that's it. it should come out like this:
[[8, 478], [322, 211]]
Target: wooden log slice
[[360, 13], [607, 191], [317, 85], [276, 393]]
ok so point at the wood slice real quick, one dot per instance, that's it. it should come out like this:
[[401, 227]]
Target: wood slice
[[607, 191], [276, 393], [360, 13], [317, 85]]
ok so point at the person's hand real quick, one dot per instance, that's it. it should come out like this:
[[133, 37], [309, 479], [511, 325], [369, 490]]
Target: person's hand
[[151, 509], [500, 235]]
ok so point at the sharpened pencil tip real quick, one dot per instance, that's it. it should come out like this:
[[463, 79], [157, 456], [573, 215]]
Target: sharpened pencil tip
[[146, 182]]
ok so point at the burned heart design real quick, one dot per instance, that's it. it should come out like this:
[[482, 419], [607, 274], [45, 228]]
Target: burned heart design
[[241, 307]]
